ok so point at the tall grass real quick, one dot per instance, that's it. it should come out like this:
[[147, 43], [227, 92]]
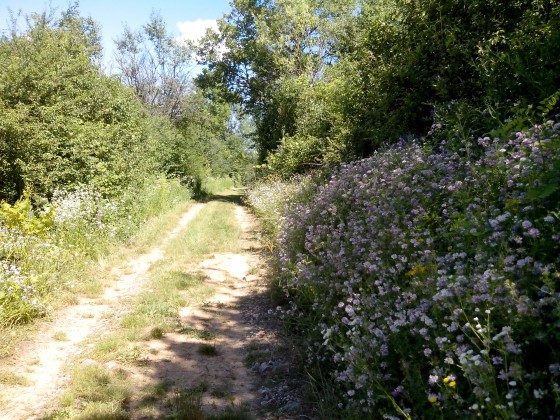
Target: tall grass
[[47, 251], [271, 198], [224, 236]]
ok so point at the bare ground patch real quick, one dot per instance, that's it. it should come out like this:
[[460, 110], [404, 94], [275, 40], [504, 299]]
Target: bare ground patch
[[207, 353]]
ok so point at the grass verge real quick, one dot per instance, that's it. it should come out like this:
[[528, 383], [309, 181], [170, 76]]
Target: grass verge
[[47, 259]]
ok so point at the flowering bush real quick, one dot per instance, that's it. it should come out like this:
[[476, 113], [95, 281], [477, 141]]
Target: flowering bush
[[19, 300], [427, 278]]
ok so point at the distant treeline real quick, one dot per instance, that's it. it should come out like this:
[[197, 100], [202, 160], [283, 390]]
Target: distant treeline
[[63, 122]]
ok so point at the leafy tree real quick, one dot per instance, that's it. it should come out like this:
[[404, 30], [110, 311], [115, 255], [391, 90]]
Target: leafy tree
[[200, 142], [412, 58], [212, 129], [266, 55], [328, 81], [63, 121], [156, 66]]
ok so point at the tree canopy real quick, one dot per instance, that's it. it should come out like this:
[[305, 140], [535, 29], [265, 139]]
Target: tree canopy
[[328, 81], [65, 123]]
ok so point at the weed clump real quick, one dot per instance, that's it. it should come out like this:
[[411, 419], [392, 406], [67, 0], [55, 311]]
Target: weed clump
[[207, 350], [157, 333]]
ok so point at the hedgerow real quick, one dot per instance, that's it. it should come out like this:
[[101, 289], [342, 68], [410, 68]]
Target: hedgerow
[[426, 278]]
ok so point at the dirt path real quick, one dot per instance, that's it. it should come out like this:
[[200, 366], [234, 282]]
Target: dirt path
[[219, 323], [245, 365], [40, 359]]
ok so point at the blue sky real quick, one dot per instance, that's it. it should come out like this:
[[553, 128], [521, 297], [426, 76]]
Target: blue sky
[[183, 17]]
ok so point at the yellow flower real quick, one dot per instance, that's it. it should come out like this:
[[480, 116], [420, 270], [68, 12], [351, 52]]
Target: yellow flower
[[450, 381], [432, 399], [417, 269], [511, 203]]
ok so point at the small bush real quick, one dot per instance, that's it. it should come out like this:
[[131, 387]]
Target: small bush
[[157, 333], [101, 411], [271, 198], [95, 384], [207, 350]]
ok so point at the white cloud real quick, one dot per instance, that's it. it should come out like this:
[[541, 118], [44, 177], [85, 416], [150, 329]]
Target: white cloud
[[194, 30]]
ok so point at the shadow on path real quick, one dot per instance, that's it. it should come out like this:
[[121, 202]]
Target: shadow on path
[[236, 197], [229, 353]]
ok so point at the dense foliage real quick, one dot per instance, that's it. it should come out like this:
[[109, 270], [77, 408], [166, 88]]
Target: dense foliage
[[85, 158], [326, 81], [422, 57], [63, 121], [426, 278]]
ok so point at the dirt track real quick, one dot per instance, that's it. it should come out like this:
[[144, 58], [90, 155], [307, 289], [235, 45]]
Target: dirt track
[[253, 366]]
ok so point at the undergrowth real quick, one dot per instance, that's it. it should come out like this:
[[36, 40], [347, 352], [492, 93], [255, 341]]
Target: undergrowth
[[424, 280]]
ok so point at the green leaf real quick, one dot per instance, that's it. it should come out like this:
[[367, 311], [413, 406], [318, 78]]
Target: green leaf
[[542, 192]]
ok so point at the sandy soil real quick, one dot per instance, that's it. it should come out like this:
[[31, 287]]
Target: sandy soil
[[175, 359]]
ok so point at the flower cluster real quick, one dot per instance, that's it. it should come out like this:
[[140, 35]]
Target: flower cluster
[[19, 292], [427, 262], [75, 205]]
